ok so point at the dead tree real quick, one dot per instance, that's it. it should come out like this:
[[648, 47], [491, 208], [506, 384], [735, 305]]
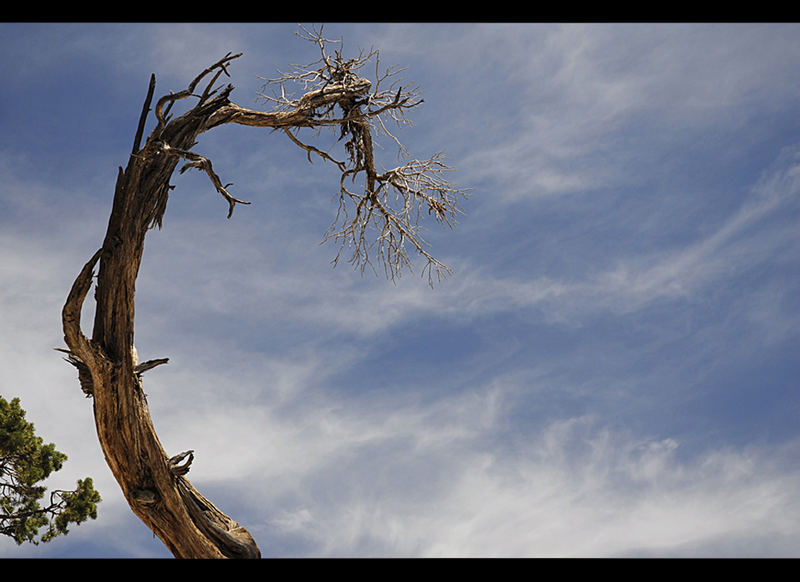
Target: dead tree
[[332, 94]]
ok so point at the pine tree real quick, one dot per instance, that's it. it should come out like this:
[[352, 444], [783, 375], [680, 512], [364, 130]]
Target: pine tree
[[25, 461]]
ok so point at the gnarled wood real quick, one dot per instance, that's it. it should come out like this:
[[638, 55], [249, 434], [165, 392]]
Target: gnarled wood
[[153, 481], [156, 488]]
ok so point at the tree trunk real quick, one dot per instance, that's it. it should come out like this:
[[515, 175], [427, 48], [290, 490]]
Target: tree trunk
[[152, 481]]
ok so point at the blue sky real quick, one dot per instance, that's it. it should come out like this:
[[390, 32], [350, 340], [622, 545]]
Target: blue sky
[[611, 371]]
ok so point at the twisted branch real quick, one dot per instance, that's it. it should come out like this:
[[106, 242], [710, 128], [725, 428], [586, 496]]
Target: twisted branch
[[204, 164]]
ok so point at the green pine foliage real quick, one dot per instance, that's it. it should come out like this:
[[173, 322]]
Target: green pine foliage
[[25, 461]]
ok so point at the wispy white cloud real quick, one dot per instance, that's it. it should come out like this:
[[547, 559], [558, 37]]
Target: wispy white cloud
[[585, 95], [573, 489], [611, 495], [637, 279]]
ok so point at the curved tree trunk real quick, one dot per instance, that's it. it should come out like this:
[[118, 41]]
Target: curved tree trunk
[[152, 480]]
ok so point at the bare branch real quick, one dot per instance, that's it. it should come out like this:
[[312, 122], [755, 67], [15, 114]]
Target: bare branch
[[176, 467], [204, 164], [311, 149], [149, 365], [143, 117], [394, 208], [168, 100], [391, 203], [71, 313]]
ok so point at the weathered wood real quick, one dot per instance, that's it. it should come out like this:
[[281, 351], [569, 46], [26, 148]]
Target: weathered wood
[[153, 481], [154, 485]]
